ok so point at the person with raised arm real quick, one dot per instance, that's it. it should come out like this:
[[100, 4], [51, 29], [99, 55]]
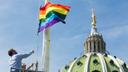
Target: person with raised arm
[[15, 61]]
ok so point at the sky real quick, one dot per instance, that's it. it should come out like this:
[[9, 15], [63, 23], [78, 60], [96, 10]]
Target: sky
[[19, 24]]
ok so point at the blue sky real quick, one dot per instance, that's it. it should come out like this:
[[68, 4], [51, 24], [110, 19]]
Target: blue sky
[[19, 23]]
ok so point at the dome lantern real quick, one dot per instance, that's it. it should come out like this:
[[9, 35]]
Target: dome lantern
[[94, 42]]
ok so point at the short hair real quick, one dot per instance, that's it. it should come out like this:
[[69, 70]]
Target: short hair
[[11, 52]]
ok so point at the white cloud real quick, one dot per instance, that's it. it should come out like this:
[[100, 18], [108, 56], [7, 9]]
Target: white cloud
[[117, 31]]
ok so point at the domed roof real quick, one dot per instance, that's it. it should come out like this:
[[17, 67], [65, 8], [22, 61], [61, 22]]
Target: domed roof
[[95, 59], [95, 62]]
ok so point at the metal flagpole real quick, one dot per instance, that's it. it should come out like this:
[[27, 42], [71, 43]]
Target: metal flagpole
[[46, 47]]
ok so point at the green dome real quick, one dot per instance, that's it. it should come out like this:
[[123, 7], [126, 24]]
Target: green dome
[[95, 62], [95, 59]]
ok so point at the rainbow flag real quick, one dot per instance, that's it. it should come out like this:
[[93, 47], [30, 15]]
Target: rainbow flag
[[50, 14]]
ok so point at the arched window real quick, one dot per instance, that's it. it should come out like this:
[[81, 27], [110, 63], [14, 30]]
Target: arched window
[[95, 71], [98, 46], [66, 67], [111, 62], [79, 63], [86, 45], [95, 61], [115, 71], [94, 46], [90, 46]]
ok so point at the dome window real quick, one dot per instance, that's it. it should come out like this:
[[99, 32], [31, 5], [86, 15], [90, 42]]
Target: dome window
[[114, 56], [115, 71], [84, 56], [95, 61], [79, 63], [105, 55], [75, 58], [66, 67], [125, 65], [95, 71], [111, 62]]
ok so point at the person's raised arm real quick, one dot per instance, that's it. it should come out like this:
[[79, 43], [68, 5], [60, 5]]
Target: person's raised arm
[[26, 55]]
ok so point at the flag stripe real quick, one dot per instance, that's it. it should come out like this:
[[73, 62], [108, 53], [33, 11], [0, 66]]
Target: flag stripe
[[54, 5], [56, 13], [59, 10]]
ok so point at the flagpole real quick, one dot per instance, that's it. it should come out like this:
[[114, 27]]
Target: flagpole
[[46, 47]]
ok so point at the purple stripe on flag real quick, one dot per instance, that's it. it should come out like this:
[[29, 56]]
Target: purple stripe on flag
[[49, 24]]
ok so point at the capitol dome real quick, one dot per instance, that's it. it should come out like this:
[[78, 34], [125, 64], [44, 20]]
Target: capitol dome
[[95, 59], [95, 62]]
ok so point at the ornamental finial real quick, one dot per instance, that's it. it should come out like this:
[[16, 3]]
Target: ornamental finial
[[94, 29], [93, 18]]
